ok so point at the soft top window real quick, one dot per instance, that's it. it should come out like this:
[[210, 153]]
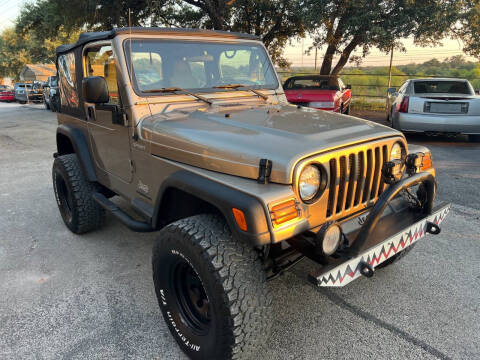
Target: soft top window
[[439, 87]]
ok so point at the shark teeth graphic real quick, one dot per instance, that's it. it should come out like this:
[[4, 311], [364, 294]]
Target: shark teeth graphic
[[350, 270]]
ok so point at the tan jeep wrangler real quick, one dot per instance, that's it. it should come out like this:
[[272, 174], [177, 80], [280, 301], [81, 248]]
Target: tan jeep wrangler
[[193, 129]]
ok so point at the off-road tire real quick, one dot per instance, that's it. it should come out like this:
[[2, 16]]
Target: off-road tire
[[396, 257], [347, 110], [73, 193], [234, 285]]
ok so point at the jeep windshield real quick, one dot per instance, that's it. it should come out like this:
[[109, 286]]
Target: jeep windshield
[[198, 65]]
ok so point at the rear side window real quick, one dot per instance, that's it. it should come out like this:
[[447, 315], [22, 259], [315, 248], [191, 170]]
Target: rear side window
[[441, 87], [100, 61], [313, 83], [67, 81]]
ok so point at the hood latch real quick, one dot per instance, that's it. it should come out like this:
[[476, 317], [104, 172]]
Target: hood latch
[[264, 171]]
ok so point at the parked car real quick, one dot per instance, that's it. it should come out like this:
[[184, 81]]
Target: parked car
[[50, 94], [7, 93], [435, 106], [319, 92], [20, 90], [239, 184]]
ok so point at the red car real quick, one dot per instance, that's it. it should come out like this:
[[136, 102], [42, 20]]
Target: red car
[[6, 93], [320, 92]]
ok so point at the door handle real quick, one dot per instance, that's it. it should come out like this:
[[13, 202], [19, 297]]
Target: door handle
[[91, 113]]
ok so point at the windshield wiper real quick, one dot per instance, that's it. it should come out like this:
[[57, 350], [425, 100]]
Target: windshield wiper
[[236, 86], [174, 89]]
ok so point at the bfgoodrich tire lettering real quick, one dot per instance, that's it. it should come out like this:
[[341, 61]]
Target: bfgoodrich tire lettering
[[73, 193], [230, 320]]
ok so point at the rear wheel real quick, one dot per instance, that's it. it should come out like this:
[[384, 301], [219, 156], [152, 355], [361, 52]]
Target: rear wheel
[[347, 110], [73, 193], [211, 289], [46, 104]]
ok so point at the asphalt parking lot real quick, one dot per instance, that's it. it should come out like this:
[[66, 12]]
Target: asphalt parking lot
[[91, 296]]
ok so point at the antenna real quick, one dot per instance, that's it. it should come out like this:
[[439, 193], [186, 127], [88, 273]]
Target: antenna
[[130, 30]]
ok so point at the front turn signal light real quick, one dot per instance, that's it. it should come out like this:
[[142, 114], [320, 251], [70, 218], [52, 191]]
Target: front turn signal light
[[283, 212], [240, 218], [427, 162]]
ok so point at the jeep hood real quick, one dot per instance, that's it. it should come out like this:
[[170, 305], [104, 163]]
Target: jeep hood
[[233, 139]]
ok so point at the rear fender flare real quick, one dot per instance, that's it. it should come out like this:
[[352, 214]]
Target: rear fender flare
[[80, 147]]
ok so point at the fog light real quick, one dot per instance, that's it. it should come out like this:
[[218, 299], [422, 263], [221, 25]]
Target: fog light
[[328, 238]]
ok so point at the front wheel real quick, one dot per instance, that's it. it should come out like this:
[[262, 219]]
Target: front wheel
[[47, 107], [211, 289]]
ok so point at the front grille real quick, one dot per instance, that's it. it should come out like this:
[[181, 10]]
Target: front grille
[[355, 179]]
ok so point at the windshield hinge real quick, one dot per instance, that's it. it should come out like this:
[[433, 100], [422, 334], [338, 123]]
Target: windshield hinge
[[264, 171]]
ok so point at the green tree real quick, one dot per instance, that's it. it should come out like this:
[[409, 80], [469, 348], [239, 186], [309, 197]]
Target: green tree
[[344, 26], [14, 53], [17, 50], [274, 21]]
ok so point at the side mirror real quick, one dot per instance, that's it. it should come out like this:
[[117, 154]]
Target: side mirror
[[348, 87], [95, 90], [391, 91]]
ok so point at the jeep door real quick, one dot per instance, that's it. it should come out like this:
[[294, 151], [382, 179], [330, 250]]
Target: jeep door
[[108, 132]]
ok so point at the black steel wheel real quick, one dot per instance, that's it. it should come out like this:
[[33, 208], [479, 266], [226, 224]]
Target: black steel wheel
[[192, 299], [73, 193], [211, 290]]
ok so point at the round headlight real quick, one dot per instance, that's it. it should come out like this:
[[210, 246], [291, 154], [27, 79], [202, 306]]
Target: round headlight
[[397, 152], [309, 182]]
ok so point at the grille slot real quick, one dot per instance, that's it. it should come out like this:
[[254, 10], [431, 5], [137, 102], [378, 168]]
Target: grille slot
[[355, 179]]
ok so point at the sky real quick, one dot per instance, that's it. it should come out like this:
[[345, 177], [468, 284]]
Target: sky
[[9, 10], [413, 54]]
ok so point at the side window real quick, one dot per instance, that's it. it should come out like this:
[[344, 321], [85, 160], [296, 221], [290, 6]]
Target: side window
[[67, 80], [101, 62]]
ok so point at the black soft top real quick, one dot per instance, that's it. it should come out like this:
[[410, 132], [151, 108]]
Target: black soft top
[[87, 37]]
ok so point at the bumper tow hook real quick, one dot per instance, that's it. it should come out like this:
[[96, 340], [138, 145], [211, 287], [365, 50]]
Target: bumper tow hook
[[433, 228], [366, 269]]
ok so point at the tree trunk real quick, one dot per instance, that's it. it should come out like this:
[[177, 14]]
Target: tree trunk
[[328, 60], [346, 54]]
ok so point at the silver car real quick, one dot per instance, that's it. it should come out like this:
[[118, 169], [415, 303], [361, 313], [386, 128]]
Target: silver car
[[435, 106]]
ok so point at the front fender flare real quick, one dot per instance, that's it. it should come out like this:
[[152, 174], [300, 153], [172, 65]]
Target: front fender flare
[[224, 198]]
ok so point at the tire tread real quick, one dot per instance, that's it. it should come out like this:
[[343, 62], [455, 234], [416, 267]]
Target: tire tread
[[238, 269]]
